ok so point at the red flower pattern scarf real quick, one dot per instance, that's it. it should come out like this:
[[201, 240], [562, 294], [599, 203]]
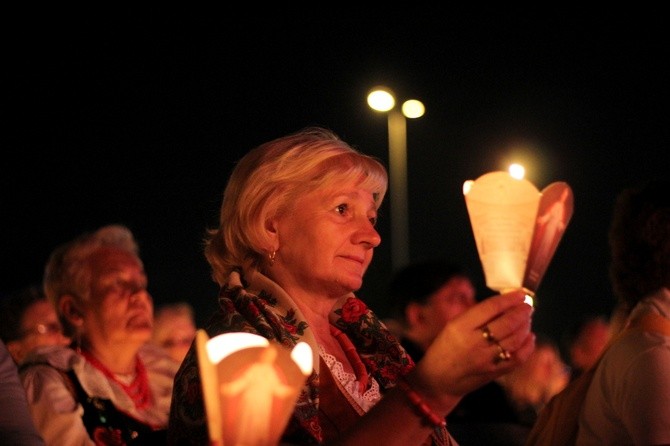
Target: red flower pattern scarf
[[260, 306]]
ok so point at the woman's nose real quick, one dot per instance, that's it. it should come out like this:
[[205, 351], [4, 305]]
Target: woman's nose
[[368, 235], [141, 296]]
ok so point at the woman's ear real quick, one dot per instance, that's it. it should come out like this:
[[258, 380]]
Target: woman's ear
[[271, 232], [69, 308]]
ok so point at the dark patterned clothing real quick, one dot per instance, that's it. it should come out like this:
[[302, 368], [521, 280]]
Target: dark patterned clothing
[[107, 425], [62, 414], [258, 305]]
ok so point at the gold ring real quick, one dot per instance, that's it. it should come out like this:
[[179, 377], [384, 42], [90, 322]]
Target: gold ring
[[486, 333], [502, 355]]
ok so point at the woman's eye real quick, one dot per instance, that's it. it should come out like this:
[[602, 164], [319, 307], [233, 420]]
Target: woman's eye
[[341, 209], [128, 287], [373, 221]]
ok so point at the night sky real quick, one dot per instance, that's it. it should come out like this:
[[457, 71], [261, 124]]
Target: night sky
[[137, 117]]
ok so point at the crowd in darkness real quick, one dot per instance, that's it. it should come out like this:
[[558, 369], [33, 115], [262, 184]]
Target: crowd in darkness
[[87, 356]]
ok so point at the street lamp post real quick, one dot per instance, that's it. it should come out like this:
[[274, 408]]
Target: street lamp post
[[383, 100]]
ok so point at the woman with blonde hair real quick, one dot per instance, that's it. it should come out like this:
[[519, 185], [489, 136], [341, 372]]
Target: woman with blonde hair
[[296, 235]]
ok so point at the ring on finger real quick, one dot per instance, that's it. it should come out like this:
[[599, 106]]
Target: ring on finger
[[486, 333], [502, 355]]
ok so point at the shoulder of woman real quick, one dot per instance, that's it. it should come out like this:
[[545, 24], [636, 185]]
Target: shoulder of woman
[[44, 382], [54, 356]]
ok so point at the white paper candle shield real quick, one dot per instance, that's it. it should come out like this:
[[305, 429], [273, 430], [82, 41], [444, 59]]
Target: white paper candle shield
[[250, 386], [516, 227]]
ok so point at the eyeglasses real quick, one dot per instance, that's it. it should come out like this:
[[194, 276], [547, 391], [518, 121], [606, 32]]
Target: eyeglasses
[[51, 328]]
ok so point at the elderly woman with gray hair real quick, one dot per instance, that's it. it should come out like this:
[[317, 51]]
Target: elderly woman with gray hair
[[110, 386]]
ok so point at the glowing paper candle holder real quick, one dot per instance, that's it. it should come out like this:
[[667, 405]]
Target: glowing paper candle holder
[[250, 386], [516, 227]]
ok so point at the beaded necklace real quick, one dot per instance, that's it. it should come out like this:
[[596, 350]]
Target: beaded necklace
[[352, 355], [137, 390]]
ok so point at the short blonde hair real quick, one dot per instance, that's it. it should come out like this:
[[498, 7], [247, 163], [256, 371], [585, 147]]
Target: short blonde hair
[[68, 272], [267, 180]]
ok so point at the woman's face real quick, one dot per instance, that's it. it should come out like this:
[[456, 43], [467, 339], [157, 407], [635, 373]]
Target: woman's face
[[39, 326], [326, 241], [452, 299], [120, 310]]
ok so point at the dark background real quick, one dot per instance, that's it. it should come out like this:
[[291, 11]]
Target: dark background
[[137, 117]]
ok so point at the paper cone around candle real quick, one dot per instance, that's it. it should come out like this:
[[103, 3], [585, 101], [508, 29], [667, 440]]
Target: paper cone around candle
[[249, 390], [553, 215], [509, 218]]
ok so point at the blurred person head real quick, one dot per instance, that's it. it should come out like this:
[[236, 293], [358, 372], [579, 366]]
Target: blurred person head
[[427, 295], [98, 286], [28, 320], [639, 239], [585, 340], [174, 328]]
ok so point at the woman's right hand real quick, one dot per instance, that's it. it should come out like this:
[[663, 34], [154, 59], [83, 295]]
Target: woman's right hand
[[462, 358]]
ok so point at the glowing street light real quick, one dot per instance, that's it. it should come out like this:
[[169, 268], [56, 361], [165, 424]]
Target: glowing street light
[[382, 99]]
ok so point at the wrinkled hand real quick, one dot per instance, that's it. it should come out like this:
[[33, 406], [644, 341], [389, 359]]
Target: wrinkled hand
[[461, 359]]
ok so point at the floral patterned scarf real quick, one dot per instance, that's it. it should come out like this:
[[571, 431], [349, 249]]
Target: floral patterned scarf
[[260, 306]]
